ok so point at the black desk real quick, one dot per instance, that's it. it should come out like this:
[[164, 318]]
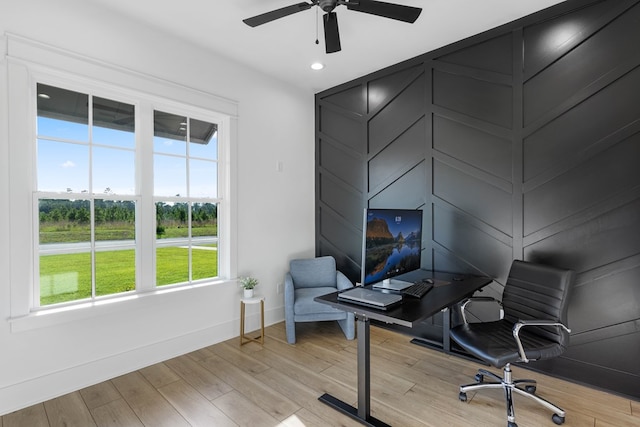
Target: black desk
[[448, 290]]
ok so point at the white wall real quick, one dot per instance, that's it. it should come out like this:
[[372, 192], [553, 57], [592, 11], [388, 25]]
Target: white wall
[[274, 221]]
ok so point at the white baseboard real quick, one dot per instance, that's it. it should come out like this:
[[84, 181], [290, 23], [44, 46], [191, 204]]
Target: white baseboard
[[59, 383]]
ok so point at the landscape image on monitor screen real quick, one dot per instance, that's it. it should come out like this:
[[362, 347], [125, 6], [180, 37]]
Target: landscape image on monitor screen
[[392, 243]]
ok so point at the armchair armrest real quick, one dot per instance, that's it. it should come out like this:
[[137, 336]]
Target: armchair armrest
[[468, 301], [342, 282], [288, 294], [522, 323]]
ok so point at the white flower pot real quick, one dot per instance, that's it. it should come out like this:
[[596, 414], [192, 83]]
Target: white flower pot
[[248, 293]]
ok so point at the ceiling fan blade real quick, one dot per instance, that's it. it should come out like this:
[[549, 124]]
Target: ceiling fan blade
[[331, 34], [278, 13], [388, 10]]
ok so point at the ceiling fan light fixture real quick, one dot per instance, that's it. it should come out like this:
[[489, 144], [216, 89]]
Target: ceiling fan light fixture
[[317, 66]]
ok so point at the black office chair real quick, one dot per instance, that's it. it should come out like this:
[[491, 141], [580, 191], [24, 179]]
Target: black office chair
[[533, 327]]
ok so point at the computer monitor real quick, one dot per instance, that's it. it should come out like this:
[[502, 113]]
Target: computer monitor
[[391, 243]]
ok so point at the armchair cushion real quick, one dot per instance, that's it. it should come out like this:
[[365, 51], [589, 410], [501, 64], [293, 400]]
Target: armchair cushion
[[304, 303]]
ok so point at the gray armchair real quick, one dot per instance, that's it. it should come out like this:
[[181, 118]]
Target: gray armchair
[[307, 279]]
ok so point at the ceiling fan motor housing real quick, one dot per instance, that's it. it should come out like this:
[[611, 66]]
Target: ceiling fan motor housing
[[327, 5]]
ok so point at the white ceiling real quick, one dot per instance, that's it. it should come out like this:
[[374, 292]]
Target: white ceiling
[[285, 48]]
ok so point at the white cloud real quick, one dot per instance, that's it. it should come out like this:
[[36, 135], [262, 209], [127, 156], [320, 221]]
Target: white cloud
[[68, 164]]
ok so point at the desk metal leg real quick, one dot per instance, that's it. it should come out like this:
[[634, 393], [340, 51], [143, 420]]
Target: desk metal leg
[[362, 413], [364, 369], [446, 327]]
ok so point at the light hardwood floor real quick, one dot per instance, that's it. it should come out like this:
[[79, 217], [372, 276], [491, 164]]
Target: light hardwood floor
[[278, 385]]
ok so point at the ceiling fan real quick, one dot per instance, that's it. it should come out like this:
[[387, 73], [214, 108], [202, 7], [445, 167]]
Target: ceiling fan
[[331, 35]]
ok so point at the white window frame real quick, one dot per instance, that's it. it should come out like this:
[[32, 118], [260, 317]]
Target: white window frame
[[24, 70], [93, 90]]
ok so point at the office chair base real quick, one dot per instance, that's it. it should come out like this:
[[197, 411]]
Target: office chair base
[[523, 387]]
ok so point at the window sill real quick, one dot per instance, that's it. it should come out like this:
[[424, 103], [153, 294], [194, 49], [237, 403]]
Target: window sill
[[47, 317]]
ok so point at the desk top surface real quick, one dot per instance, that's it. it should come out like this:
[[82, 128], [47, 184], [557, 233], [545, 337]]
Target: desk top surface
[[449, 289]]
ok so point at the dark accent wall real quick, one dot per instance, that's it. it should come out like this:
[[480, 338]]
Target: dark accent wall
[[519, 143]]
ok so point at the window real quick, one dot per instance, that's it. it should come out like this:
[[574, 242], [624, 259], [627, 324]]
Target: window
[[185, 193], [94, 193]]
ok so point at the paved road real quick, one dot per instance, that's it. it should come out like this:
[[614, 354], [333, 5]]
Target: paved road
[[116, 245]]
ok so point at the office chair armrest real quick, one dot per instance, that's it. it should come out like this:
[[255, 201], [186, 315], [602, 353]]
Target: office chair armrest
[[468, 301], [522, 323]]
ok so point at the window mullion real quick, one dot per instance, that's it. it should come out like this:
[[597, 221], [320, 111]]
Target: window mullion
[[146, 217], [92, 206]]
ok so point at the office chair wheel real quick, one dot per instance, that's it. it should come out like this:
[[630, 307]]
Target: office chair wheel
[[530, 389], [557, 419], [462, 396], [479, 378], [511, 424]]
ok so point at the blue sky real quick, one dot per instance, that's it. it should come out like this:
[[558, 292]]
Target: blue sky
[[65, 165]]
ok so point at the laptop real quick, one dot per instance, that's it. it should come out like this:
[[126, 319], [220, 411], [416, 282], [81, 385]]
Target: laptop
[[370, 298], [392, 285]]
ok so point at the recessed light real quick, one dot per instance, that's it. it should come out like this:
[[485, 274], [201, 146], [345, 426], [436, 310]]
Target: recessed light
[[317, 66], [43, 96]]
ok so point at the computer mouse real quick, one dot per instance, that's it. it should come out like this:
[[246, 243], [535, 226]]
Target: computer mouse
[[428, 281]]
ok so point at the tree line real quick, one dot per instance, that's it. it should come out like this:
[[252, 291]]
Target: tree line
[[105, 211]]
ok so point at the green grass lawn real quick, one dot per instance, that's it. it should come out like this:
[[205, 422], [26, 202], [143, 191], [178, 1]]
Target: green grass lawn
[[67, 277], [66, 232]]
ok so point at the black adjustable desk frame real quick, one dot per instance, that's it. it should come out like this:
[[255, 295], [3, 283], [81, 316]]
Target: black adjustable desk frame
[[408, 314], [363, 412]]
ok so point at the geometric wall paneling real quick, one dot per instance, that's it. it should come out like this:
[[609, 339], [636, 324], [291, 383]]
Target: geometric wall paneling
[[407, 192], [491, 55], [594, 337], [488, 101], [340, 172], [349, 267], [471, 145], [610, 110], [520, 142], [471, 241], [477, 198], [443, 260], [342, 235], [548, 40], [345, 165], [343, 128], [590, 372], [601, 241], [588, 297], [612, 171], [381, 90], [593, 59], [397, 116], [338, 196], [397, 157], [599, 353], [349, 99]]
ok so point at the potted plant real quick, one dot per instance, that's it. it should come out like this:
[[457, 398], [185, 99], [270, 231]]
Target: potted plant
[[248, 284]]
